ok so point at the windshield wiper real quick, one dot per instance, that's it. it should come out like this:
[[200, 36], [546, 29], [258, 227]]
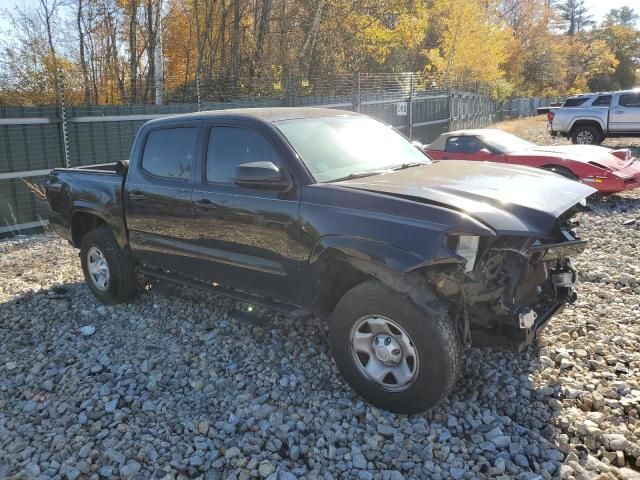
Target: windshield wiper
[[355, 175], [408, 165]]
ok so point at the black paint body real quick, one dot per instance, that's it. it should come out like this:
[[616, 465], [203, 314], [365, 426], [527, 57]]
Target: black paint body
[[297, 245]]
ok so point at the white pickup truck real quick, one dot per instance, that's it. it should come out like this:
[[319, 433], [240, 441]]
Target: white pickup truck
[[592, 117]]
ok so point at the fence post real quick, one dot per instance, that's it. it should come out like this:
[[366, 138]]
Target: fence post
[[198, 92], [291, 89], [63, 118], [411, 107], [356, 98], [450, 111]]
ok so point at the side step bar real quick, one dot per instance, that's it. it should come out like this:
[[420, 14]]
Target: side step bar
[[219, 289]]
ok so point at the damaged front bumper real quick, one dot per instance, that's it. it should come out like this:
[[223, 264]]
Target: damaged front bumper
[[515, 291]]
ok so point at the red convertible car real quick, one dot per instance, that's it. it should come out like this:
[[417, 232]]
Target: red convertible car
[[607, 170]]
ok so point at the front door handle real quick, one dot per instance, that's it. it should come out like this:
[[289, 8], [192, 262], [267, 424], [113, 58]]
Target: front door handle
[[137, 196], [619, 111], [205, 203]]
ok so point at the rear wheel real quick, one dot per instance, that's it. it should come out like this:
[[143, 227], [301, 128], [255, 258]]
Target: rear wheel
[[108, 271], [392, 352], [586, 135]]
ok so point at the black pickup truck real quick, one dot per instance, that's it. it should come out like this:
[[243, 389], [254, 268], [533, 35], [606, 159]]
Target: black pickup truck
[[336, 214]]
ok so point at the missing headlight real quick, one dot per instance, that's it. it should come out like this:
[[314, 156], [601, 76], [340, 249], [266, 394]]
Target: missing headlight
[[468, 249]]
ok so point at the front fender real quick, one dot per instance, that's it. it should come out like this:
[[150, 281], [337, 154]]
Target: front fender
[[400, 270], [392, 258]]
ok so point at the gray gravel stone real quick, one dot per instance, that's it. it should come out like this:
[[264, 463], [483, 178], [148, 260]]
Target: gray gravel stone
[[171, 387]]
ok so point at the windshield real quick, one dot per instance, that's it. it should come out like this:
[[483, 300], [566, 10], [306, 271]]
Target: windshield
[[333, 148], [504, 142]]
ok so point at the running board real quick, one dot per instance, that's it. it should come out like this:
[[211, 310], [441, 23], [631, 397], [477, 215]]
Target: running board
[[219, 289]]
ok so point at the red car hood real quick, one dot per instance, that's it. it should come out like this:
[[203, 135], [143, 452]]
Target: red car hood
[[578, 153]]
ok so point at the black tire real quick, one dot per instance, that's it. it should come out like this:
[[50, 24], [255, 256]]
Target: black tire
[[435, 340], [586, 135], [121, 284], [565, 172]]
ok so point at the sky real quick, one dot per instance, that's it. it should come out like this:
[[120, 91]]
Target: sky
[[598, 8]]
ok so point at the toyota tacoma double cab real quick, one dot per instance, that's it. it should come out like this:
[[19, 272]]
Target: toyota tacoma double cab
[[336, 214], [590, 118]]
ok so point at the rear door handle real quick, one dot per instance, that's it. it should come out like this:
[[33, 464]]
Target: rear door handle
[[137, 196], [205, 203], [619, 111]]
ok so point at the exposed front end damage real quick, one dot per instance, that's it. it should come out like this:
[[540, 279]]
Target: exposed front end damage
[[516, 286]]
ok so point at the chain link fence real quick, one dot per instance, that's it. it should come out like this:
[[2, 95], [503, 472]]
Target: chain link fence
[[33, 140]]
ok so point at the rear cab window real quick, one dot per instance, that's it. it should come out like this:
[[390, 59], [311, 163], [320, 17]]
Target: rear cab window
[[574, 101], [170, 152]]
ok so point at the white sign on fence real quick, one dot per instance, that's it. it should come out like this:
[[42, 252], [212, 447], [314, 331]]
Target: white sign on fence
[[401, 109]]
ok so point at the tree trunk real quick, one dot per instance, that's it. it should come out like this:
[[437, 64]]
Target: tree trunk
[[223, 42], [235, 40], [133, 52], [83, 60], [304, 57], [48, 14], [158, 73], [151, 47], [263, 23]]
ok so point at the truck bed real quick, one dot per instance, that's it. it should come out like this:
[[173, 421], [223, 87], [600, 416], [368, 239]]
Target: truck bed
[[95, 189]]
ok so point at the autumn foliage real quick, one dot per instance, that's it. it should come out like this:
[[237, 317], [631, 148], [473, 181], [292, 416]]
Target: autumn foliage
[[123, 51]]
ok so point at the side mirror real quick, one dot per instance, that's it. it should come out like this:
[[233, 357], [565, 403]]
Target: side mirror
[[418, 144], [484, 151], [262, 175]]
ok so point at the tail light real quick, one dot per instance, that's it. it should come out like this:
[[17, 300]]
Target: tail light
[[550, 116]]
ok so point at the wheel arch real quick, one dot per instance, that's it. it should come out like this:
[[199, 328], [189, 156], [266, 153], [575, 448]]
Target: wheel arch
[[343, 262], [86, 216], [560, 168], [587, 122]]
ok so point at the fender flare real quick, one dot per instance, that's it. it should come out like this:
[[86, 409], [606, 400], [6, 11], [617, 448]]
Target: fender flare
[[399, 269], [595, 120], [100, 211]]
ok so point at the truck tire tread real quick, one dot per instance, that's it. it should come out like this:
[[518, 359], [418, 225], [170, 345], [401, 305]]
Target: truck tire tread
[[435, 337], [122, 285]]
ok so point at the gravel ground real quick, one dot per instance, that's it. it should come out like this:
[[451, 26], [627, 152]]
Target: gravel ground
[[170, 387]]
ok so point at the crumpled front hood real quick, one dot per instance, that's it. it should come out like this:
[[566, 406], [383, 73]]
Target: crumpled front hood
[[509, 199]]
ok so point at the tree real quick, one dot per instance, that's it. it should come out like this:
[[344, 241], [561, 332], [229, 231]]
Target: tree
[[471, 30], [619, 32], [575, 16], [624, 16]]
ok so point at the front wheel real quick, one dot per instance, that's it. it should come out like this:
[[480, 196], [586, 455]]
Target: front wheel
[[394, 354], [108, 271], [586, 135]]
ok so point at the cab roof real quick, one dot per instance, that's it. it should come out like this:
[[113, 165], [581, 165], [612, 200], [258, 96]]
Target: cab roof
[[272, 114]]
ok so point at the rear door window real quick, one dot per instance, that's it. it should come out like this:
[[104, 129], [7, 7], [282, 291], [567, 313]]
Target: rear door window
[[630, 100], [464, 144], [170, 152]]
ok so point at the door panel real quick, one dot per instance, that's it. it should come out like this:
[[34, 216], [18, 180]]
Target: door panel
[[625, 116], [248, 238], [157, 198]]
